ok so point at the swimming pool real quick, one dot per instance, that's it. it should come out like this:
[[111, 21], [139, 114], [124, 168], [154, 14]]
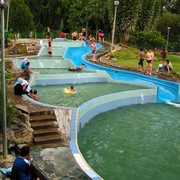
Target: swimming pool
[[160, 90], [54, 95], [133, 142]]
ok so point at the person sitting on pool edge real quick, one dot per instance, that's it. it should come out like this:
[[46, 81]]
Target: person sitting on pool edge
[[77, 69], [21, 86], [25, 65]]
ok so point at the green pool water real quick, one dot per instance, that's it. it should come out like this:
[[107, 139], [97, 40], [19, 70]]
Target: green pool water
[[140, 142], [54, 95]]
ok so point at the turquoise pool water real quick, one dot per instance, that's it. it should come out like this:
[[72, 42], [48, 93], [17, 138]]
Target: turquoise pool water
[[140, 142], [54, 95]]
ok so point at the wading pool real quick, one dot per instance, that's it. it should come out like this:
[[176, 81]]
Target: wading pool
[[54, 95]]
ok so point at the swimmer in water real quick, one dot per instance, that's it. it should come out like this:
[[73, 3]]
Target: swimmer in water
[[72, 89], [77, 69]]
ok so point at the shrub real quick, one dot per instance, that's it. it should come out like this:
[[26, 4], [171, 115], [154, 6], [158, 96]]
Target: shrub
[[148, 40], [10, 109]]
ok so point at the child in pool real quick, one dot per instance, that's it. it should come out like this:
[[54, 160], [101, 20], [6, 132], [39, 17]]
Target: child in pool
[[36, 96], [72, 89]]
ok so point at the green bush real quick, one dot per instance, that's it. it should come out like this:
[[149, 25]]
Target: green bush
[[147, 40], [11, 111]]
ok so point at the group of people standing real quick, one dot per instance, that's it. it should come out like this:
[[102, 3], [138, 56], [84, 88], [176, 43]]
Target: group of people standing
[[81, 36], [91, 40], [166, 66], [149, 59]]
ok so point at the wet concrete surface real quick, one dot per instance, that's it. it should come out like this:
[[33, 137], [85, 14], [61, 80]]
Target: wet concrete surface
[[58, 164]]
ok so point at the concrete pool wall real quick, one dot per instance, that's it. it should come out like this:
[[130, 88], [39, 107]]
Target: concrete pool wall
[[71, 78], [108, 102]]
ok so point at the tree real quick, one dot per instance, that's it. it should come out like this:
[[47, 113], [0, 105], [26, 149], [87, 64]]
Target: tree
[[149, 14], [53, 13], [135, 15], [83, 12], [173, 6], [173, 21], [21, 19], [127, 17], [148, 40]]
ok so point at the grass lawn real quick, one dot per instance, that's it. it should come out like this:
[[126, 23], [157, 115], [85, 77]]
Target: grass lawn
[[127, 57]]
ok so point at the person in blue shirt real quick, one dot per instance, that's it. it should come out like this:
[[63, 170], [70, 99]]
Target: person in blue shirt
[[25, 65], [22, 167]]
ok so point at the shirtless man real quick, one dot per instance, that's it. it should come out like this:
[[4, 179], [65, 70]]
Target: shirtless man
[[149, 60], [94, 47], [74, 35], [141, 55]]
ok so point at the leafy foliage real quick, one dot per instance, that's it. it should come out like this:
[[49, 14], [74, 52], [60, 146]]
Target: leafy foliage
[[21, 18], [10, 110], [148, 40], [64, 15], [169, 20]]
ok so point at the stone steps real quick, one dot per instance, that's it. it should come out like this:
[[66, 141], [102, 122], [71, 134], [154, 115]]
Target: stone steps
[[45, 126], [48, 139], [48, 117], [41, 112], [45, 131]]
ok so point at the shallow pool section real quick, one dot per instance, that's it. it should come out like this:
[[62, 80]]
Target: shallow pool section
[[134, 142], [62, 70], [54, 95]]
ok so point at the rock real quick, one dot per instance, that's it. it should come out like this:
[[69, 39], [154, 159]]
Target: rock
[[20, 130]]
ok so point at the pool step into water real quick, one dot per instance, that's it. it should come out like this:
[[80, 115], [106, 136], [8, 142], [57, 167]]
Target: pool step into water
[[45, 126]]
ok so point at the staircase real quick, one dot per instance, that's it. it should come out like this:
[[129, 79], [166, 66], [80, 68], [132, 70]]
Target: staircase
[[45, 128]]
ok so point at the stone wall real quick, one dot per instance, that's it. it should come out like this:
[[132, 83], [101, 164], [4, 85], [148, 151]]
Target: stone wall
[[20, 131], [63, 117]]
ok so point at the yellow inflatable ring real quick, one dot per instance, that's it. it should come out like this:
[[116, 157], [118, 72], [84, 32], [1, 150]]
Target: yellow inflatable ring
[[67, 91]]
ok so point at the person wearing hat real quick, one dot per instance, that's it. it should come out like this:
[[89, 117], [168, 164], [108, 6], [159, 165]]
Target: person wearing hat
[[22, 167]]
